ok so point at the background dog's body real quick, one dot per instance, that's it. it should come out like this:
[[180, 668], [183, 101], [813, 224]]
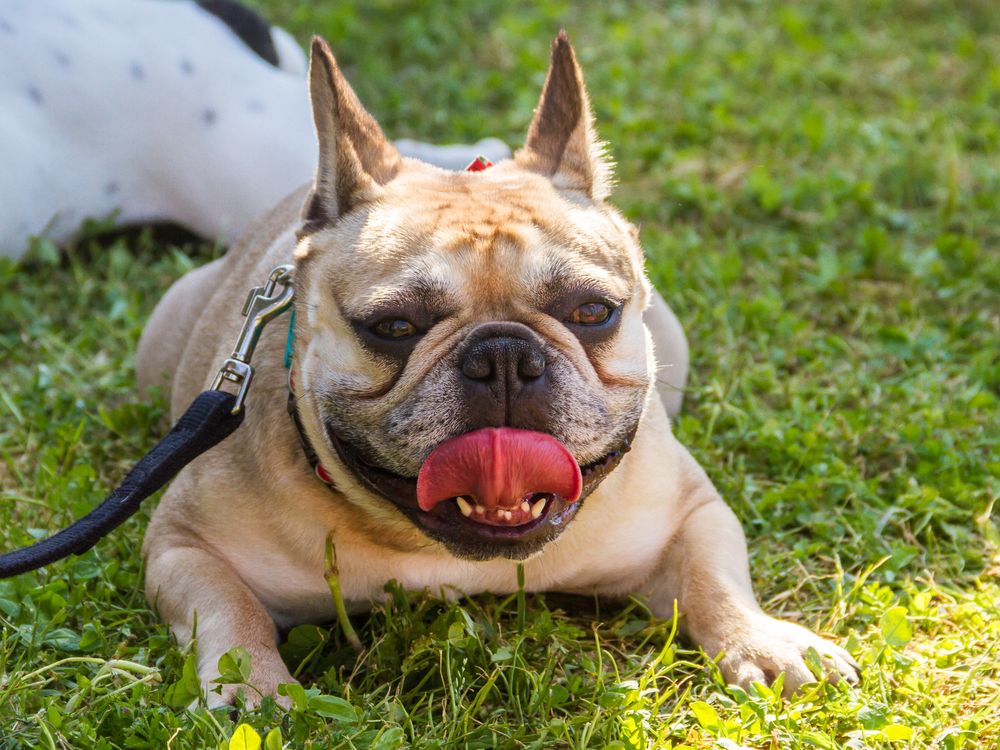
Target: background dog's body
[[154, 110], [237, 542]]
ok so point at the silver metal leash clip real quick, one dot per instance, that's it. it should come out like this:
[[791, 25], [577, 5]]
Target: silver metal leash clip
[[262, 305]]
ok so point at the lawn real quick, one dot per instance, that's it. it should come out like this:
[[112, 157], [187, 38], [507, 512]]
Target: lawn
[[817, 188]]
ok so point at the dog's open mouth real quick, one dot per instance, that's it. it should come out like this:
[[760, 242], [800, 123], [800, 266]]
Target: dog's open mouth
[[488, 493]]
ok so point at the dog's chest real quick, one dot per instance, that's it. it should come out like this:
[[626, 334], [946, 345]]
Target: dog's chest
[[610, 549]]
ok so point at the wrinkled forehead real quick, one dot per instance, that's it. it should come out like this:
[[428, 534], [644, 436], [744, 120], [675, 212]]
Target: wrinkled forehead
[[495, 238]]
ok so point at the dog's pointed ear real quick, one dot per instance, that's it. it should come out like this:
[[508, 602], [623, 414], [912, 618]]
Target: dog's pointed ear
[[355, 158], [561, 141]]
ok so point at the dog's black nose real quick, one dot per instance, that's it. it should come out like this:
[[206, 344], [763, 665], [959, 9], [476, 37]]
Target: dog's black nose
[[504, 360], [503, 370]]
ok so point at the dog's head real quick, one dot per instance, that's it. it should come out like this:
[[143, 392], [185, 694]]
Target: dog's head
[[432, 305]]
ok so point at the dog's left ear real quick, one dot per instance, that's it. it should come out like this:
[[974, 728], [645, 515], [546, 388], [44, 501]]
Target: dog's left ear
[[561, 141], [355, 157]]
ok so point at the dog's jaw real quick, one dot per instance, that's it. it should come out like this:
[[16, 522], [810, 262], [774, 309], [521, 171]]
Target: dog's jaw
[[467, 538]]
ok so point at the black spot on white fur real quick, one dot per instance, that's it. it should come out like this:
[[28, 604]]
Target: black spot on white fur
[[35, 95], [209, 116], [252, 30], [5, 26], [186, 66], [62, 58], [136, 70]]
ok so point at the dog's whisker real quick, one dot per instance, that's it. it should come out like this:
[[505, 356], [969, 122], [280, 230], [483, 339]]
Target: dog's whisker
[[672, 385]]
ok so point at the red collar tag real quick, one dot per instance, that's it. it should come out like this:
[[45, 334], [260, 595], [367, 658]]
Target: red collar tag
[[479, 164]]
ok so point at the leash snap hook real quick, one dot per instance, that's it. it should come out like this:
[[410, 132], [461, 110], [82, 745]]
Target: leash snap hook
[[262, 305]]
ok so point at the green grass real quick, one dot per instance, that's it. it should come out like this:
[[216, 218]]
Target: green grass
[[817, 189]]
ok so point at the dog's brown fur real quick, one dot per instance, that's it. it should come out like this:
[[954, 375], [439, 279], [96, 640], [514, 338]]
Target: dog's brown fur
[[237, 542]]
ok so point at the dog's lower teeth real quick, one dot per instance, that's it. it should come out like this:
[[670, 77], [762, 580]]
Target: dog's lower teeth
[[468, 506]]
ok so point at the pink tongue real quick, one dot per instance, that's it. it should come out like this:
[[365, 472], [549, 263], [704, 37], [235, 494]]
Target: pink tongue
[[498, 467]]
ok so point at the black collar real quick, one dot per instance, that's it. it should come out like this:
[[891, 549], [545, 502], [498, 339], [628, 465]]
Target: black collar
[[310, 453]]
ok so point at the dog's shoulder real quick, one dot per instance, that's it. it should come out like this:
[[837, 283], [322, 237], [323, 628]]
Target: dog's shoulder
[[269, 239]]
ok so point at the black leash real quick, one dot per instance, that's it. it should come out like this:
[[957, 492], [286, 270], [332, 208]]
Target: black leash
[[210, 419]]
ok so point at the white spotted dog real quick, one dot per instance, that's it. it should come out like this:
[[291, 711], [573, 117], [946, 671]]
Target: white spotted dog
[[154, 110]]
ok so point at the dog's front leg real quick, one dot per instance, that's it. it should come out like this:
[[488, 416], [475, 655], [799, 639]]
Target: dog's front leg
[[705, 569], [189, 585]]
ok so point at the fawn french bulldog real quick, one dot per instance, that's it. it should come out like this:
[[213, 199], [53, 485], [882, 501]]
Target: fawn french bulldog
[[474, 366]]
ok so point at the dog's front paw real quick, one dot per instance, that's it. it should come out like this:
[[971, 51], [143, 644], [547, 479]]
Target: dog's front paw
[[765, 647], [267, 672]]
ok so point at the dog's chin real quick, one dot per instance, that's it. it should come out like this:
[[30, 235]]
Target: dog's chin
[[461, 535]]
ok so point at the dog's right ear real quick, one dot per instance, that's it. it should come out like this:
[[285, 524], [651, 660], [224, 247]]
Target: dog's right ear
[[561, 143], [355, 158]]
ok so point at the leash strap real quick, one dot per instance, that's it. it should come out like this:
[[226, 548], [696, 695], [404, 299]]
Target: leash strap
[[208, 421], [211, 418]]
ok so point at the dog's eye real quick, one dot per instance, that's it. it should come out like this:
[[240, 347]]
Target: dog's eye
[[394, 328], [590, 314]]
